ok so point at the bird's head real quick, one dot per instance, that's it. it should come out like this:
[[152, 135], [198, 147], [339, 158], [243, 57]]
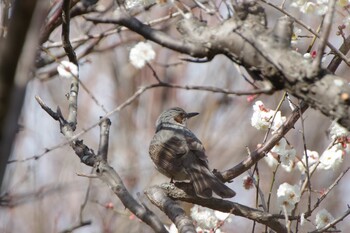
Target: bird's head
[[175, 115]]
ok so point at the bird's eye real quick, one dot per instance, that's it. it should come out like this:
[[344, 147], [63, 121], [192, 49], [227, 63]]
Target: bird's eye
[[179, 118]]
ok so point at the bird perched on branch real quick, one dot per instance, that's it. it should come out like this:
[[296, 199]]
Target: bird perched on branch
[[180, 155]]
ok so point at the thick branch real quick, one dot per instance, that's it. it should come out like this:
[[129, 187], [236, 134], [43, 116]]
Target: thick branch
[[17, 52], [265, 54], [217, 204], [171, 208]]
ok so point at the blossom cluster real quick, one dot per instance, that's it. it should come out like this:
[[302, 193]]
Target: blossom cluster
[[283, 153], [288, 195], [263, 117]]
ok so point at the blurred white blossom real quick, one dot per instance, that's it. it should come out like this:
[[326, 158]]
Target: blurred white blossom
[[307, 56], [323, 218], [206, 219], [262, 117], [271, 160], [280, 146], [288, 167], [140, 54], [312, 156], [337, 131], [67, 69], [288, 195], [331, 158], [318, 7]]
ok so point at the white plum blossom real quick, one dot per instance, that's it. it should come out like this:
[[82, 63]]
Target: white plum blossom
[[308, 8], [331, 158], [271, 160], [288, 195], [286, 154], [337, 131], [288, 167], [318, 7], [67, 69], [280, 146], [278, 121], [323, 218], [204, 217], [312, 156], [262, 117], [140, 54]]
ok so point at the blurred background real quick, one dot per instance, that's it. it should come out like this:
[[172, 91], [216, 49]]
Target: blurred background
[[46, 193]]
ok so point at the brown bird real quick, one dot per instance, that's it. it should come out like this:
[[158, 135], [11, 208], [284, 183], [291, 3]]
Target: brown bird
[[179, 154]]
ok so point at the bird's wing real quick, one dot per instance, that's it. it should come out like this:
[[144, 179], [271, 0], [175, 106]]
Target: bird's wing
[[196, 146], [167, 150], [177, 145], [174, 143]]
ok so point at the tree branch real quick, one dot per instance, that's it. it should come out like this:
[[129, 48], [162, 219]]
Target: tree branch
[[184, 192]]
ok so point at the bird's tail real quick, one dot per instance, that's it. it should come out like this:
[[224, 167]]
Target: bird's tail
[[205, 182]]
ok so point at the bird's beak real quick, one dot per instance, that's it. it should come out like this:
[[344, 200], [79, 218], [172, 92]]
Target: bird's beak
[[191, 114]]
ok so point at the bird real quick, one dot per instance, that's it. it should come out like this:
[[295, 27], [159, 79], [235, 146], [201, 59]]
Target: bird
[[178, 154]]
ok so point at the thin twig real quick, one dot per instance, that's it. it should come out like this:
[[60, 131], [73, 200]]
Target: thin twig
[[333, 223], [329, 189], [334, 49], [274, 115], [127, 102], [307, 165], [74, 87]]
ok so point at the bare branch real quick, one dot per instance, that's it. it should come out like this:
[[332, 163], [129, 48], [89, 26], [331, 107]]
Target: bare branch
[[329, 189], [104, 136], [65, 32], [266, 147], [171, 208], [112, 179], [185, 192], [327, 23], [344, 48], [339, 53]]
